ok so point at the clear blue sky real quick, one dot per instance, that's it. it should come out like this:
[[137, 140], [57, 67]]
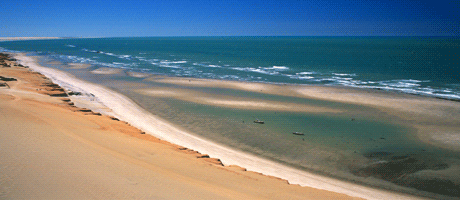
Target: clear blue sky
[[93, 18]]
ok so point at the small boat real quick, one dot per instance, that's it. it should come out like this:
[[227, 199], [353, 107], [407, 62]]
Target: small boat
[[297, 133], [259, 122]]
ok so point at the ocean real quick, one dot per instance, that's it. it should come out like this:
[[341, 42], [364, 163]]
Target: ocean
[[346, 145], [416, 65]]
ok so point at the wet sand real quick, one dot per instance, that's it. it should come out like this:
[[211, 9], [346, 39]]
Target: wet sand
[[51, 149], [437, 120], [106, 70], [125, 109], [232, 102]]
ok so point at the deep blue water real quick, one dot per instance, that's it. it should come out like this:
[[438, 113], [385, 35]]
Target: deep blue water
[[418, 65]]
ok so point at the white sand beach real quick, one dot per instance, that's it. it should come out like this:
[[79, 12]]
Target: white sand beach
[[126, 110]]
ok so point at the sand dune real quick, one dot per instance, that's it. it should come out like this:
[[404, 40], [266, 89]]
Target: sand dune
[[53, 150], [205, 180]]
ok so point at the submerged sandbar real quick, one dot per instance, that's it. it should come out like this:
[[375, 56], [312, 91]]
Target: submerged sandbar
[[277, 90]]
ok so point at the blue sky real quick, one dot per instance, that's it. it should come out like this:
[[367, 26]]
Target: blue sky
[[95, 18]]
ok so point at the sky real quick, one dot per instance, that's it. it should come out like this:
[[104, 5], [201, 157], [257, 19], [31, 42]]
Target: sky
[[93, 18]]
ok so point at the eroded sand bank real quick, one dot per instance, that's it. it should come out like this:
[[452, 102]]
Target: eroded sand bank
[[128, 111], [51, 149]]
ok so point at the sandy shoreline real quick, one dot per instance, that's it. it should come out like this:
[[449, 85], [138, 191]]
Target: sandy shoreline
[[157, 127], [53, 150], [435, 119]]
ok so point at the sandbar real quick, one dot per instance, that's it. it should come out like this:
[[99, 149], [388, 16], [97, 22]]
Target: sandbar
[[126, 110], [436, 120], [106, 71], [54, 150]]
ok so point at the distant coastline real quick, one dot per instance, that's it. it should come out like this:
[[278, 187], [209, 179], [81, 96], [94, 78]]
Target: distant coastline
[[371, 100], [28, 38], [36, 38]]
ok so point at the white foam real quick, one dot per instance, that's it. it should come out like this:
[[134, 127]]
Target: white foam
[[173, 62], [401, 83], [342, 74], [229, 77], [305, 77], [87, 50], [305, 73], [340, 78], [110, 54], [256, 70], [299, 77], [125, 57], [126, 110], [69, 45], [279, 68]]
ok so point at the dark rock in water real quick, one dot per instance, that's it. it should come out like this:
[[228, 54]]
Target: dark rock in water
[[298, 133], [259, 122]]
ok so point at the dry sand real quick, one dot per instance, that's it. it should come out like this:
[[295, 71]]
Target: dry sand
[[127, 110], [53, 150]]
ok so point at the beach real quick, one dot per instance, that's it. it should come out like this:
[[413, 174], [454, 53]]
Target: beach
[[52, 149], [229, 100], [432, 122]]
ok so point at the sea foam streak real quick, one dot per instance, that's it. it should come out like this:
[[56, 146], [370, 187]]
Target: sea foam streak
[[181, 66], [127, 110]]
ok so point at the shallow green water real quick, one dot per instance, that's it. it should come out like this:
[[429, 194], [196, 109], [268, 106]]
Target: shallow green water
[[360, 144]]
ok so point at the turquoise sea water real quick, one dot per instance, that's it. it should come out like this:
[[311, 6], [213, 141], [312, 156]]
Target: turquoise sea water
[[361, 144], [419, 65]]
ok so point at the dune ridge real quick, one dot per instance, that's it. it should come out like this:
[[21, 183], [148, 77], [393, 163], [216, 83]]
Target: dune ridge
[[52, 149], [126, 110]]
